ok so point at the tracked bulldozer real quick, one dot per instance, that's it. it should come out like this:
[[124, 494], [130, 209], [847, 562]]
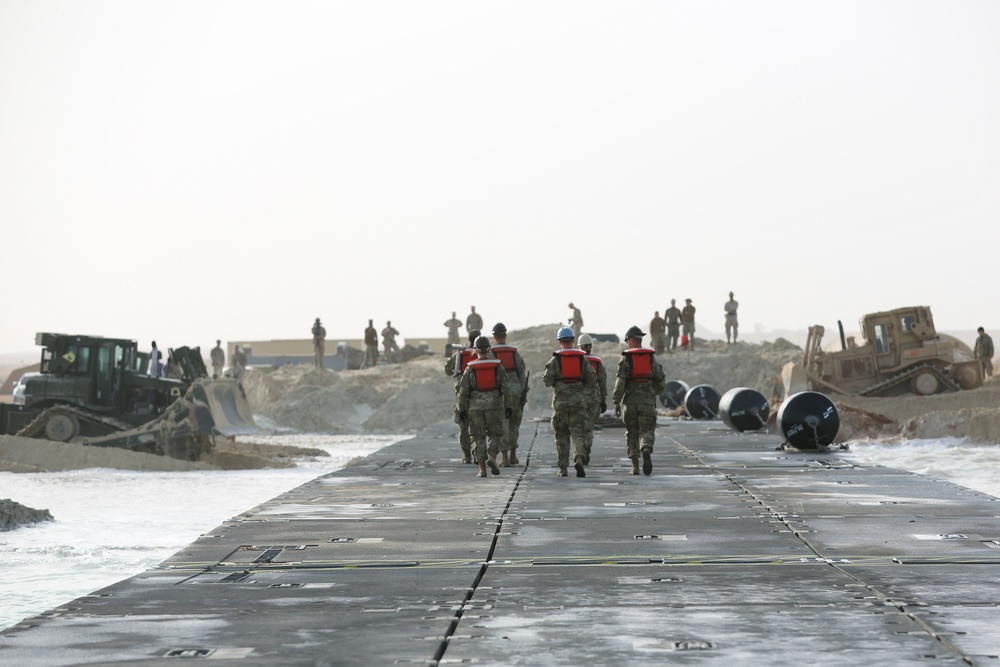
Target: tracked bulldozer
[[902, 353], [96, 391]]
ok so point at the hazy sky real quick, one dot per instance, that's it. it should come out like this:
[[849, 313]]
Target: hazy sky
[[188, 171]]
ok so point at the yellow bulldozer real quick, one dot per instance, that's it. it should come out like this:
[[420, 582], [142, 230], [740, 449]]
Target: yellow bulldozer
[[901, 353]]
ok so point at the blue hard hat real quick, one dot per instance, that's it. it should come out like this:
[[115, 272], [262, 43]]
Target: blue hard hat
[[565, 332]]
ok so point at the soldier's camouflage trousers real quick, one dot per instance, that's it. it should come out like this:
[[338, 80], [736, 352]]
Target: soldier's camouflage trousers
[[570, 425], [486, 425], [513, 427], [640, 427]]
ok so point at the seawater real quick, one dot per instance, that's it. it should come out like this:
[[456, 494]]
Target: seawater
[[112, 524]]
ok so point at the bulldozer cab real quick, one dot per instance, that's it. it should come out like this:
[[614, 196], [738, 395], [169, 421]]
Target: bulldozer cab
[[891, 334], [89, 369]]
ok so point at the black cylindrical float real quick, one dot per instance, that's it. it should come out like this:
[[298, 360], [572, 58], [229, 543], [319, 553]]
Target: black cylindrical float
[[702, 402], [808, 420], [744, 409], [673, 395]]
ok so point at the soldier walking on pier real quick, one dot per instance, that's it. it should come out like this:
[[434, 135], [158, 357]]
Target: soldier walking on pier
[[514, 365], [638, 381], [598, 394], [484, 401], [570, 376], [455, 367]]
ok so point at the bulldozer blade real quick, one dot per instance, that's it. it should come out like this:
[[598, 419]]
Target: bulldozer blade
[[222, 408]]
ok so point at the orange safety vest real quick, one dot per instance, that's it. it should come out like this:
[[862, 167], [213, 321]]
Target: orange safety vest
[[640, 364], [505, 353], [570, 364], [465, 357], [594, 360], [486, 373]]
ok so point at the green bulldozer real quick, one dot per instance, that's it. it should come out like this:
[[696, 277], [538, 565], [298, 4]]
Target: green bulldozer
[[96, 391]]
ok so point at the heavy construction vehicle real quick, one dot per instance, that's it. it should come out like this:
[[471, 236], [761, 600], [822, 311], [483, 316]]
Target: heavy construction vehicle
[[902, 353], [96, 390]]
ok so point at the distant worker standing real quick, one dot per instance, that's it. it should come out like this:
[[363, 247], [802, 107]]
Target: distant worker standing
[[238, 363], [638, 381], [154, 362], [571, 376], [687, 323], [984, 351], [732, 324], [319, 343], [218, 356], [576, 322], [673, 316], [484, 401], [474, 321], [389, 345], [454, 324], [517, 373], [371, 346], [658, 332], [598, 402]]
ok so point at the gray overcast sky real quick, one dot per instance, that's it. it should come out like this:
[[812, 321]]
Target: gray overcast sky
[[188, 171]]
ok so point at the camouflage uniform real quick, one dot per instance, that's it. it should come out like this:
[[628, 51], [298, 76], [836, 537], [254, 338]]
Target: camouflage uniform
[[570, 417], [518, 377], [389, 344], [638, 401], [485, 410], [984, 352], [732, 323], [658, 332], [454, 324], [597, 401], [371, 347], [673, 316], [218, 360], [687, 324], [319, 343], [464, 437]]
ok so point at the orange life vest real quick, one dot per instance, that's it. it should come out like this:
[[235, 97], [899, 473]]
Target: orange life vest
[[594, 360], [640, 363], [467, 355], [486, 373], [570, 364], [505, 353]]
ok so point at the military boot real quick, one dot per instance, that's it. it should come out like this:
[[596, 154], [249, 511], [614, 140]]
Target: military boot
[[580, 472], [482, 469], [492, 463], [466, 456], [635, 466], [647, 462], [505, 463], [562, 472], [513, 456]]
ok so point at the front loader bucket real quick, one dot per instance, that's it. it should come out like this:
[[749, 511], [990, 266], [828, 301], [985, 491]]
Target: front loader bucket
[[222, 408]]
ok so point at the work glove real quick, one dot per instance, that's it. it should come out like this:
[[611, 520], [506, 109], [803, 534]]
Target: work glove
[[463, 415], [508, 412], [618, 409], [604, 407]]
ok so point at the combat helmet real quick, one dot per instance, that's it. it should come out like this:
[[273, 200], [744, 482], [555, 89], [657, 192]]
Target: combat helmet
[[634, 332]]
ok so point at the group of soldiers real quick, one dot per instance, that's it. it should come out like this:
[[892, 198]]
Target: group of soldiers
[[491, 386], [677, 322]]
